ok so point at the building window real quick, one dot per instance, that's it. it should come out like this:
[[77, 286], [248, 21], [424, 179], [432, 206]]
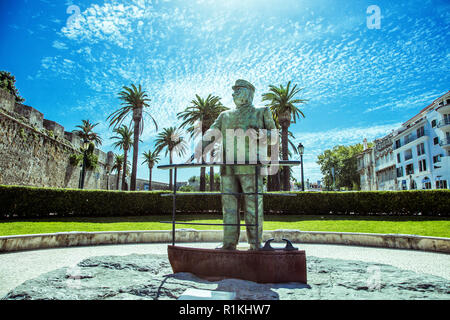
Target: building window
[[426, 183], [433, 123], [399, 172], [437, 158], [422, 165], [408, 138], [441, 184], [408, 154], [409, 169], [399, 158], [436, 140], [397, 144], [420, 149], [420, 132]]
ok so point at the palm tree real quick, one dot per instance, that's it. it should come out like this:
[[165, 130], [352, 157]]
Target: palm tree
[[86, 132], [150, 158], [124, 142], [205, 112], [118, 164], [282, 103], [172, 141], [133, 100]]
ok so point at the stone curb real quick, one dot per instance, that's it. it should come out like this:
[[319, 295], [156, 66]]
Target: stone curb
[[75, 238]]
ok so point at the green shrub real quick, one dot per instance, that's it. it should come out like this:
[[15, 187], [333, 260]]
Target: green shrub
[[23, 201], [75, 159]]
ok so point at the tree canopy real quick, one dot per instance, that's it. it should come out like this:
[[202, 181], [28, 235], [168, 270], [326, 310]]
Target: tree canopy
[[8, 83], [343, 160]]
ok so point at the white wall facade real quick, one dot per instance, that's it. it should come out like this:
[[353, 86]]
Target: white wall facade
[[422, 148]]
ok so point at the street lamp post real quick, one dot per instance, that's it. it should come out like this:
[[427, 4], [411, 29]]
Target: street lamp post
[[301, 149], [83, 168]]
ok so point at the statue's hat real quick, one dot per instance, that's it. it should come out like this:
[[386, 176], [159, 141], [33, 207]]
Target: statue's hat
[[244, 84]]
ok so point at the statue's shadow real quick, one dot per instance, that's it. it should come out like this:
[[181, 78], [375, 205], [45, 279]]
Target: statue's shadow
[[243, 289]]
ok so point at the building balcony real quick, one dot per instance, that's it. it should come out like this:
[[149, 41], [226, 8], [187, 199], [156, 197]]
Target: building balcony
[[444, 125], [442, 167], [444, 108], [445, 143], [404, 142]]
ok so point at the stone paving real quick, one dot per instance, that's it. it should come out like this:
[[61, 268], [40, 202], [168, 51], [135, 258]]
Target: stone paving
[[143, 272]]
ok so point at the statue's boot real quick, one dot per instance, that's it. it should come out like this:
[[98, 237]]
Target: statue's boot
[[226, 247], [255, 247]]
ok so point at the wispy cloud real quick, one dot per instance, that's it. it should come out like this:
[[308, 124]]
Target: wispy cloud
[[177, 49]]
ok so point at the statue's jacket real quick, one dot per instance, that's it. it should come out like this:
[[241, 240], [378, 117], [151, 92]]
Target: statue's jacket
[[229, 122]]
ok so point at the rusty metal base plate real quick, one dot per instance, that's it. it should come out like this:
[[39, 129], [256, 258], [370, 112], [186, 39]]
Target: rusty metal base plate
[[277, 266]]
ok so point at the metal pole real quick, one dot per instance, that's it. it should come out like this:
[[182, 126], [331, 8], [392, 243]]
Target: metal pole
[[256, 206], [174, 205], [83, 170], [303, 180]]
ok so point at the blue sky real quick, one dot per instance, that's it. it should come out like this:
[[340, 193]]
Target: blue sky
[[360, 82]]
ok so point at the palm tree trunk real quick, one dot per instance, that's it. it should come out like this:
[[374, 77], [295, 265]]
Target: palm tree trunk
[[124, 174], [211, 172], [118, 178], [211, 179], [137, 115], [202, 179], [150, 180], [284, 148]]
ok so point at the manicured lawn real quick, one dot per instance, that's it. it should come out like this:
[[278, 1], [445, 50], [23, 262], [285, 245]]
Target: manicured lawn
[[430, 226]]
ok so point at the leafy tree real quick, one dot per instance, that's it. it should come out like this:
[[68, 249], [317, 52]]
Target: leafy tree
[[124, 141], [85, 132], [134, 100], [343, 160], [283, 105], [171, 140], [150, 158], [8, 83], [204, 111]]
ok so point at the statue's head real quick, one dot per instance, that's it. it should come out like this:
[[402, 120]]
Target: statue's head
[[243, 92]]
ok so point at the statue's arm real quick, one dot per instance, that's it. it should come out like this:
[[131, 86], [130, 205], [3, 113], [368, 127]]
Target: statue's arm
[[269, 123], [268, 119]]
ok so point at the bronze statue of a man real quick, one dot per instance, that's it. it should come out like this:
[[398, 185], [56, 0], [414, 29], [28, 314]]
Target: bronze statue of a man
[[235, 179]]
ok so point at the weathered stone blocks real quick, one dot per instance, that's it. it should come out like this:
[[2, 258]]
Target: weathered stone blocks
[[7, 101], [57, 129], [36, 152], [33, 117]]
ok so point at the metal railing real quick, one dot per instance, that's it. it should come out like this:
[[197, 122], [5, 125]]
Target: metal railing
[[257, 192], [443, 123], [408, 139], [444, 142]]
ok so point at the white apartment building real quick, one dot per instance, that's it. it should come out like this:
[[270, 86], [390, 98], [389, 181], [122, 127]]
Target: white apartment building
[[415, 156], [422, 148]]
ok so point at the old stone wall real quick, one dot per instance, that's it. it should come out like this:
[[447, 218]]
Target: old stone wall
[[35, 151]]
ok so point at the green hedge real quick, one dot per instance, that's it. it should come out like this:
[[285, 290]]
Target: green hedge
[[20, 201]]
